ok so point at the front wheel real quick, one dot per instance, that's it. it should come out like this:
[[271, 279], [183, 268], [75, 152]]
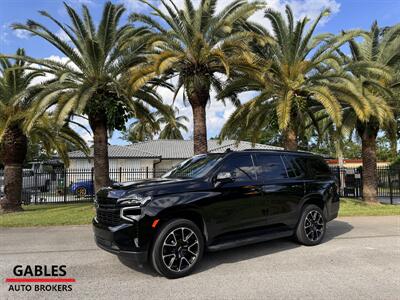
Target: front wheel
[[178, 248], [311, 227]]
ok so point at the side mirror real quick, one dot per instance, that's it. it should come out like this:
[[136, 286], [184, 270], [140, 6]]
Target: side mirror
[[224, 177]]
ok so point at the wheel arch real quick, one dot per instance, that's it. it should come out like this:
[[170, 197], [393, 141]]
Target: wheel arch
[[317, 200], [188, 214]]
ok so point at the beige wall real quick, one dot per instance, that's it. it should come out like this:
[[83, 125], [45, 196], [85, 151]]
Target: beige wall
[[359, 164], [115, 164], [130, 163]]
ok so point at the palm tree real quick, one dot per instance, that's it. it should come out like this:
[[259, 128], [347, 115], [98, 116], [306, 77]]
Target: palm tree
[[393, 128], [370, 63], [92, 82], [140, 131], [291, 78], [170, 123], [17, 97], [199, 46]]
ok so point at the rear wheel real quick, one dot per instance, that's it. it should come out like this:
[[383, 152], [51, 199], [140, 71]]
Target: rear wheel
[[312, 226], [81, 192], [178, 248]]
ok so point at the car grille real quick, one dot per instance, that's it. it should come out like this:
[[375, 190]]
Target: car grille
[[106, 202], [109, 217]]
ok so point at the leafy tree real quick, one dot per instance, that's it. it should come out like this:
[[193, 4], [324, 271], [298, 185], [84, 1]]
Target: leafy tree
[[199, 46], [92, 82], [17, 97], [291, 78]]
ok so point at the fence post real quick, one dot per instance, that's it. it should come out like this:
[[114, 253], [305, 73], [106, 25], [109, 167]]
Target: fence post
[[341, 191], [361, 182], [92, 180], [65, 185], [147, 172], [120, 174], [390, 186]]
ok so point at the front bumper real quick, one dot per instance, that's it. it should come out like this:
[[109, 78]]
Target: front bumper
[[121, 240]]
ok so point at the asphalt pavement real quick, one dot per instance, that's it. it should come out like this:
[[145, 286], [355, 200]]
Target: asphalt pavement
[[359, 259]]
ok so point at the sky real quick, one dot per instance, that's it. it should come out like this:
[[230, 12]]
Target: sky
[[345, 14]]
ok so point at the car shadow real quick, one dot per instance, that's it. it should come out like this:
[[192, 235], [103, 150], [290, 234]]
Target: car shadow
[[335, 229], [143, 268], [213, 259]]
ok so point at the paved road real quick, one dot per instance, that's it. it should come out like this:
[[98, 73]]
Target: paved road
[[360, 259]]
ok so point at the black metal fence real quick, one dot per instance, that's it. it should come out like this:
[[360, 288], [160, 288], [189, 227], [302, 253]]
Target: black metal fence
[[76, 185], [72, 185], [350, 182]]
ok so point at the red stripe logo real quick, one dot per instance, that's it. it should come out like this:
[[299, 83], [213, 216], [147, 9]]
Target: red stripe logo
[[43, 279]]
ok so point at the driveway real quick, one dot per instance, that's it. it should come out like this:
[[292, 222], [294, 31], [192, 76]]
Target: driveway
[[360, 259]]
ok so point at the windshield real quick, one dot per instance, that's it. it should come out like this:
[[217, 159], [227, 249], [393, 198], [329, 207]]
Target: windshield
[[194, 167]]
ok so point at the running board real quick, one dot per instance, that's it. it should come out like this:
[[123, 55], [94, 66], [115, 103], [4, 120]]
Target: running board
[[249, 240]]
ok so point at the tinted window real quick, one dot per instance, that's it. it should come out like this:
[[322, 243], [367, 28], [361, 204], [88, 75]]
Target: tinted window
[[241, 167], [293, 169], [315, 167], [194, 167], [270, 167]]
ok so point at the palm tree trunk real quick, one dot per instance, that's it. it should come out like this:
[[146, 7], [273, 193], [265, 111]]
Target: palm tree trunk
[[368, 134], [290, 138], [98, 125], [393, 148], [13, 152], [394, 138], [198, 101], [199, 129]]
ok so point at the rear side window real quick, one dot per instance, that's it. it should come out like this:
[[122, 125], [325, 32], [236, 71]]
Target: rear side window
[[270, 167], [292, 167], [241, 166], [314, 166]]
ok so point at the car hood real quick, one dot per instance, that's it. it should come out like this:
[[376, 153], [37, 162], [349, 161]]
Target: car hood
[[153, 187]]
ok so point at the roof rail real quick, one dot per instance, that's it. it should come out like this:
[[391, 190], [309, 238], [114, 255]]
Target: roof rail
[[263, 150], [279, 150]]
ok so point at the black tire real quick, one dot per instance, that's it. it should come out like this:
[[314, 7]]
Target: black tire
[[311, 227], [185, 254], [81, 192]]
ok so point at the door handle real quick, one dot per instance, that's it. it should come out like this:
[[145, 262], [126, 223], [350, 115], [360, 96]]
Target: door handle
[[254, 190]]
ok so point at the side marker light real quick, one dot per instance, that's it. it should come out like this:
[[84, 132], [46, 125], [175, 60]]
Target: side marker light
[[155, 222]]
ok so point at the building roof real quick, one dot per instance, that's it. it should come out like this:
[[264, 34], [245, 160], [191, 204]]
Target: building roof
[[171, 149], [181, 149], [115, 151]]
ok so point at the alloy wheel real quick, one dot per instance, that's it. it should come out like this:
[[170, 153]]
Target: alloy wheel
[[180, 249], [314, 225], [81, 192]]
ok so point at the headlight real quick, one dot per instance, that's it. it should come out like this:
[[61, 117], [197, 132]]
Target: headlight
[[134, 199], [132, 206]]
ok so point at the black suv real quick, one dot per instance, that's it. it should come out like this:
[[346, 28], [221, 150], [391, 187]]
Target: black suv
[[214, 202]]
